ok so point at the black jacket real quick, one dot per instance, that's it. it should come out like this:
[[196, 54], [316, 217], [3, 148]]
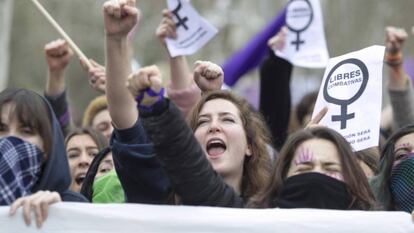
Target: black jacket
[[275, 98], [182, 157]]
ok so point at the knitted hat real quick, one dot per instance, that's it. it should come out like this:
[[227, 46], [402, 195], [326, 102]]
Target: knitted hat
[[95, 106]]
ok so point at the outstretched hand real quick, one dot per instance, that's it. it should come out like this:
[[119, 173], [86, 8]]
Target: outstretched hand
[[208, 76], [120, 17], [38, 203], [145, 81]]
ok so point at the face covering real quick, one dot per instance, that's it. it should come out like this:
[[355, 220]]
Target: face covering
[[314, 190], [20, 166], [402, 184]]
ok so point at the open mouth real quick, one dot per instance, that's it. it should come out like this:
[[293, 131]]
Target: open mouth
[[80, 178], [215, 147]]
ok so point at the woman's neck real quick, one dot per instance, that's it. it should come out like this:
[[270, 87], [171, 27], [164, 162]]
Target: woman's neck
[[234, 181]]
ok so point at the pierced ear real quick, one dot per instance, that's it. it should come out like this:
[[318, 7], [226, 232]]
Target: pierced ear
[[248, 151]]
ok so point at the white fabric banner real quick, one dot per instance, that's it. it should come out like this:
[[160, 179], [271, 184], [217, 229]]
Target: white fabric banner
[[352, 90], [193, 31], [305, 44], [129, 218]]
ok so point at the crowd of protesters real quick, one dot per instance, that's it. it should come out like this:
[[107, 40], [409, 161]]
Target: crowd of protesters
[[201, 145]]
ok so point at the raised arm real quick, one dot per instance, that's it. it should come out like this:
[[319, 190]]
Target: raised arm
[[58, 55], [275, 97], [399, 85], [190, 173], [182, 90], [120, 16]]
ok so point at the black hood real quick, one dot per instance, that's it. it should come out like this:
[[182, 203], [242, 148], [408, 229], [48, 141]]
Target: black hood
[[55, 173]]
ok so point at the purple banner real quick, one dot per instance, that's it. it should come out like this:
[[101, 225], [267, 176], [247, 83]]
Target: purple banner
[[252, 54]]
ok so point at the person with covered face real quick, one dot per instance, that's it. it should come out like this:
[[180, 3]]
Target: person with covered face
[[35, 170], [394, 184], [316, 168]]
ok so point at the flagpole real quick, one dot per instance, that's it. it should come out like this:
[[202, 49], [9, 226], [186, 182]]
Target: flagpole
[[62, 33]]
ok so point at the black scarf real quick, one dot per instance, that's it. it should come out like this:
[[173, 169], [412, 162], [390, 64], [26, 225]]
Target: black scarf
[[314, 190]]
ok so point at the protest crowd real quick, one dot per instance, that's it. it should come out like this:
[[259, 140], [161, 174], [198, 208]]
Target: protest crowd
[[194, 142]]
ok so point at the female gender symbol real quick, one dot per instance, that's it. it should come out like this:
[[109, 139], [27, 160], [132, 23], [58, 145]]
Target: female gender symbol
[[344, 116], [302, 9]]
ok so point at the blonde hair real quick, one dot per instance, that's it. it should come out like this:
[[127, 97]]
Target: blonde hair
[[95, 106]]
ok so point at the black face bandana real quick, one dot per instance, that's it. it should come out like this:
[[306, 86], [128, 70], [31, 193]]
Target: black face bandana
[[314, 190]]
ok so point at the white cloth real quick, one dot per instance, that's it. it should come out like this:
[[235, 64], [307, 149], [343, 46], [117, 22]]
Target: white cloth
[[193, 31], [128, 218], [305, 44], [353, 83]]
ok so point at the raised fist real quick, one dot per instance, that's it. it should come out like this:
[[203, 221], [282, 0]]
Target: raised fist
[[145, 85], [208, 76], [120, 17], [58, 54], [394, 39]]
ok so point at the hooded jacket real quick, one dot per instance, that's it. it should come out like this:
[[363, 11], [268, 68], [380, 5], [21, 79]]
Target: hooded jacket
[[55, 174]]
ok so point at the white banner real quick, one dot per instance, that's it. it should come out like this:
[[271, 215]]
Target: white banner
[[132, 218], [352, 90], [305, 43], [193, 31]]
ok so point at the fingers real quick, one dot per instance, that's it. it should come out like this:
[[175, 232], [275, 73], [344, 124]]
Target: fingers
[[58, 48], [84, 64], [208, 69], [15, 205], [208, 76], [167, 26], [146, 77], [38, 203], [278, 41], [394, 39], [120, 8], [315, 121]]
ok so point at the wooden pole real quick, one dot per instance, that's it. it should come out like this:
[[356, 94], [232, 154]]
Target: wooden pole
[[72, 44]]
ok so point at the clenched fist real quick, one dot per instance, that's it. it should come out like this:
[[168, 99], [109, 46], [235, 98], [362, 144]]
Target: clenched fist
[[208, 76], [146, 85]]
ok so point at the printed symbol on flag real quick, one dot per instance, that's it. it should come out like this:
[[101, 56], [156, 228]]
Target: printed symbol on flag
[[299, 18], [180, 21], [344, 84]]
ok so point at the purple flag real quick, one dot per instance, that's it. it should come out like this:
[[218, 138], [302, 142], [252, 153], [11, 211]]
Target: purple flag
[[253, 53]]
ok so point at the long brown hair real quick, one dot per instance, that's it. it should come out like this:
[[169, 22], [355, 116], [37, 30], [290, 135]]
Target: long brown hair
[[256, 173], [32, 111], [352, 173]]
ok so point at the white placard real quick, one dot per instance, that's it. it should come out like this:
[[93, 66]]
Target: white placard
[[131, 218], [352, 90], [305, 44], [193, 31]]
